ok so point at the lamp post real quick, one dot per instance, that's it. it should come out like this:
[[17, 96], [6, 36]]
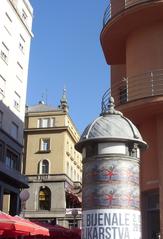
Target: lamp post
[[74, 214], [24, 196]]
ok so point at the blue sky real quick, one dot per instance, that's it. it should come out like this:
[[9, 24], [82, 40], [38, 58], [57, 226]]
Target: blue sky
[[66, 50]]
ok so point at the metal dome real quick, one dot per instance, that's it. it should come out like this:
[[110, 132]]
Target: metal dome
[[111, 126]]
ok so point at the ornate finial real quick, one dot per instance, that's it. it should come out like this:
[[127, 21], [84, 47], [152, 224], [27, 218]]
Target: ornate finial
[[64, 104], [108, 104], [64, 97], [111, 104], [111, 109]]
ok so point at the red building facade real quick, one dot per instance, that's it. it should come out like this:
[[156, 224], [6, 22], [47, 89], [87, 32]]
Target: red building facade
[[132, 42]]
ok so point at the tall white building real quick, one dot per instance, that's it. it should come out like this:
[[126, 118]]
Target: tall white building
[[15, 27], [15, 38]]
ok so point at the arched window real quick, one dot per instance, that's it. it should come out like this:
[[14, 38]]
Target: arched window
[[45, 167], [44, 198]]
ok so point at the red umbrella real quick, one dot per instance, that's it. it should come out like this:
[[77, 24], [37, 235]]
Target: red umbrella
[[76, 233], [37, 229], [10, 224], [14, 226], [57, 231]]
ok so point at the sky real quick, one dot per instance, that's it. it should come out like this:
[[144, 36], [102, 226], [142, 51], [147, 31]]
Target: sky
[[66, 52]]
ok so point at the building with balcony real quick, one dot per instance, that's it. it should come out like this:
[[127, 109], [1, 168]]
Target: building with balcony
[[15, 38], [52, 164], [131, 39]]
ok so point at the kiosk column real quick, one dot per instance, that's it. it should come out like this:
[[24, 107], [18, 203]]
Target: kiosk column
[[111, 147]]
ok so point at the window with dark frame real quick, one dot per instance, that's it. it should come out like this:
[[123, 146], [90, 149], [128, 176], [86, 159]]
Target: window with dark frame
[[14, 130], [12, 160]]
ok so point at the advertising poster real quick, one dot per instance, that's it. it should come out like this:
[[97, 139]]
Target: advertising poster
[[111, 224]]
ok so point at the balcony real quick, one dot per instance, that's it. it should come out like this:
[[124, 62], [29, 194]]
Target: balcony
[[120, 6], [129, 89], [49, 178], [121, 18]]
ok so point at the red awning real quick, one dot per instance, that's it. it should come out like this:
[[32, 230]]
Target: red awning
[[59, 232], [15, 226], [37, 229]]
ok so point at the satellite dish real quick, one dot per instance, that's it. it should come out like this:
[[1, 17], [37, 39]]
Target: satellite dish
[[24, 195]]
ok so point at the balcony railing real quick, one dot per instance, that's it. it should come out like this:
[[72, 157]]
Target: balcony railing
[[137, 87], [119, 6]]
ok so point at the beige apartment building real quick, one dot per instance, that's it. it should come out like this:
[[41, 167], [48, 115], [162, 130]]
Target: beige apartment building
[[52, 164]]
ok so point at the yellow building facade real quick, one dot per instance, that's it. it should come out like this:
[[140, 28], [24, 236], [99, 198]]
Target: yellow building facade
[[53, 166]]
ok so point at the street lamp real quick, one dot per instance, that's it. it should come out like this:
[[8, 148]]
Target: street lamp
[[24, 196], [74, 214]]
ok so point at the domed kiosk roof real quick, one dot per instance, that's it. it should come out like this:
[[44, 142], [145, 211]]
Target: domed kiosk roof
[[111, 126]]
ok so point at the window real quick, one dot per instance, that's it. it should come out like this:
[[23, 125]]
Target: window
[[44, 198], [46, 122], [45, 144], [11, 160], [151, 214], [4, 52], [16, 100], [24, 15], [45, 167], [14, 130], [21, 43], [2, 85], [19, 72], [8, 17], [8, 22]]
